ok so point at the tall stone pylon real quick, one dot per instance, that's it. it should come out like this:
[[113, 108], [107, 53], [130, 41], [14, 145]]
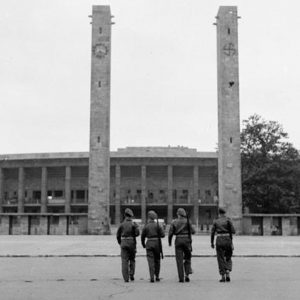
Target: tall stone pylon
[[99, 158], [229, 158]]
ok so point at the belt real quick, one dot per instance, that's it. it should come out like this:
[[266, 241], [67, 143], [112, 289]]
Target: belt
[[223, 234], [152, 239], [182, 235], [127, 238]]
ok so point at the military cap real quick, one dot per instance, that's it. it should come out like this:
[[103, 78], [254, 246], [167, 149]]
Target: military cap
[[152, 215], [222, 210], [181, 212], [129, 212]]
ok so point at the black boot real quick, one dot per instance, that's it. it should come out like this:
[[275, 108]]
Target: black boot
[[227, 276], [187, 279], [222, 278]]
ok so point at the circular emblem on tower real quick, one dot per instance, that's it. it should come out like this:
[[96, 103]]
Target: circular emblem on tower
[[229, 49], [100, 50]]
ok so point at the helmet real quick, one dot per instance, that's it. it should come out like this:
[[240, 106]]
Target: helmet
[[128, 212], [181, 212], [152, 215]]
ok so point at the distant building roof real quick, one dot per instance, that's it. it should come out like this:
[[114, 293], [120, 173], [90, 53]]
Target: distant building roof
[[163, 152], [179, 151]]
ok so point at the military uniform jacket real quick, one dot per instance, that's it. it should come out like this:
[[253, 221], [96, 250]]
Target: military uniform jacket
[[151, 231], [127, 230], [222, 225], [181, 228]]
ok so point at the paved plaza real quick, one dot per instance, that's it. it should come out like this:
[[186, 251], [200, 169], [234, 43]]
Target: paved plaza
[[88, 267]]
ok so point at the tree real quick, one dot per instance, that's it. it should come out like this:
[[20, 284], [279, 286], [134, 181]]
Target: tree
[[269, 167]]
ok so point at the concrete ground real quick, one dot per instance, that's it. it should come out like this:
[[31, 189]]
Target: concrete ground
[[96, 278], [88, 267], [54, 245]]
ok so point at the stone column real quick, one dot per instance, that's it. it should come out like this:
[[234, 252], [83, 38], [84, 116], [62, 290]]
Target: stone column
[[143, 186], [21, 190], [1, 189], [286, 226], [229, 156], [99, 156], [170, 194], [68, 190], [44, 190], [118, 195], [195, 194], [267, 223]]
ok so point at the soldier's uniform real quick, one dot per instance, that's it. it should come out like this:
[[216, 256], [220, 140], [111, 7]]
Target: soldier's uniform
[[126, 237], [183, 244], [224, 229], [153, 232]]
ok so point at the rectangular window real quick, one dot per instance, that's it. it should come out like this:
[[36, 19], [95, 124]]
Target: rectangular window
[[55, 220], [184, 195], [175, 194], [74, 220], [150, 195], [16, 221], [207, 193], [58, 194], [36, 195], [35, 221], [80, 194]]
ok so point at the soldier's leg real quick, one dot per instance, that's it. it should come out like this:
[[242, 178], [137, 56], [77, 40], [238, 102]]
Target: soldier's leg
[[187, 261], [150, 258], [228, 255], [221, 260], [125, 259], [132, 253], [179, 262], [157, 263]]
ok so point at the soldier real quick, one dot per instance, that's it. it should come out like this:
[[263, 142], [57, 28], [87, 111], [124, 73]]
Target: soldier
[[153, 232], [183, 230], [126, 237], [224, 229]]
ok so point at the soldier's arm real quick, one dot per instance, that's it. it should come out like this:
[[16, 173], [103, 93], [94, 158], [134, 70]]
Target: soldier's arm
[[143, 237], [161, 232], [119, 233], [136, 229], [232, 229], [171, 232], [193, 231], [212, 236]]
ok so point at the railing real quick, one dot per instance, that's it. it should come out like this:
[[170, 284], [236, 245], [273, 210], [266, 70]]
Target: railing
[[12, 201], [32, 201], [131, 200], [79, 201]]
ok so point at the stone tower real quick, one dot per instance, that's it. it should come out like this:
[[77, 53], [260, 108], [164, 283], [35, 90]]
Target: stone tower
[[99, 159], [229, 158]]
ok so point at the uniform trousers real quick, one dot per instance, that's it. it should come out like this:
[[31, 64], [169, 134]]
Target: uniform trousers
[[128, 252], [183, 253], [153, 257], [224, 254]]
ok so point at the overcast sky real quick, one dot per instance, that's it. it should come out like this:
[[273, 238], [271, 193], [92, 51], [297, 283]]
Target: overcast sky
[[164, 87]]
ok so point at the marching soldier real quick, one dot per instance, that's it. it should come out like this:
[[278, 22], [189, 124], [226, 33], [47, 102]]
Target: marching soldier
[[126, 237], [153, 232], [183, 230], [224, 229]]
